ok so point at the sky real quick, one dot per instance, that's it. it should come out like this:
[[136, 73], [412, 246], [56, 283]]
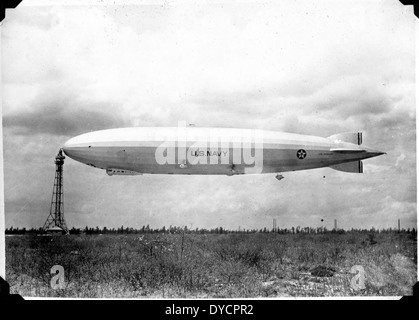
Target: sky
[[295, 66]]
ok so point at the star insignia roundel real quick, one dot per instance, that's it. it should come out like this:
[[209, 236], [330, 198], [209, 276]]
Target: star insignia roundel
[[301, 154]]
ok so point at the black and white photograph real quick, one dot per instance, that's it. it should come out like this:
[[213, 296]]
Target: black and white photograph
[[209, 150]]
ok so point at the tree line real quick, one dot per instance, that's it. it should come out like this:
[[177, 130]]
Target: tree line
[[218, 230]]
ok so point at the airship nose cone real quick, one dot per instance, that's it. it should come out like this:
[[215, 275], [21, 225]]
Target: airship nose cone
[[68, 145], [75, 145]]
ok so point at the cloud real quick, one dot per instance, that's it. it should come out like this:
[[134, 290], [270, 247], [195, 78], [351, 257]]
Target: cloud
[[64, 114], [400, 159]]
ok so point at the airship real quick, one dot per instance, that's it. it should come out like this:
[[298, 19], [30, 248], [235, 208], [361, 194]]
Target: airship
[[191, 150]]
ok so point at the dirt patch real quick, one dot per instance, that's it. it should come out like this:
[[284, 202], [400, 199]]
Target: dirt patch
[[322, 271]]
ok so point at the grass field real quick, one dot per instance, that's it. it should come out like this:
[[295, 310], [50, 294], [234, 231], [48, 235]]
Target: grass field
[[242, 265]]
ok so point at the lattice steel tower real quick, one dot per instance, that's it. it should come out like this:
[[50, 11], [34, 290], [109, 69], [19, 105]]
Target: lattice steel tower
[[55, 220]]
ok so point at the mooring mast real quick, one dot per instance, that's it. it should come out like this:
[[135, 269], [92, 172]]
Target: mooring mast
[[55, 221]]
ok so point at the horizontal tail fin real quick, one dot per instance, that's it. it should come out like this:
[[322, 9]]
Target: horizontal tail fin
[[351, 137], [354, 166]]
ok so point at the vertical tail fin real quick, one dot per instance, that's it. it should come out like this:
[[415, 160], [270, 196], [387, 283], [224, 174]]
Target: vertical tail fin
[[351, 137], [353, 166]]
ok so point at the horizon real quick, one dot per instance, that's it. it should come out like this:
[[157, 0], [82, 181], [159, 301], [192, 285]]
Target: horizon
[[238, 229]]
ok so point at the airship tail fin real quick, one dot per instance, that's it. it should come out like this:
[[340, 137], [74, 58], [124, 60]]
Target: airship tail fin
[[351, 137], [354, 166]]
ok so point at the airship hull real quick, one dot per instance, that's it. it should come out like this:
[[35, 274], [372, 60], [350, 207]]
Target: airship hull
[[212, 151]]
